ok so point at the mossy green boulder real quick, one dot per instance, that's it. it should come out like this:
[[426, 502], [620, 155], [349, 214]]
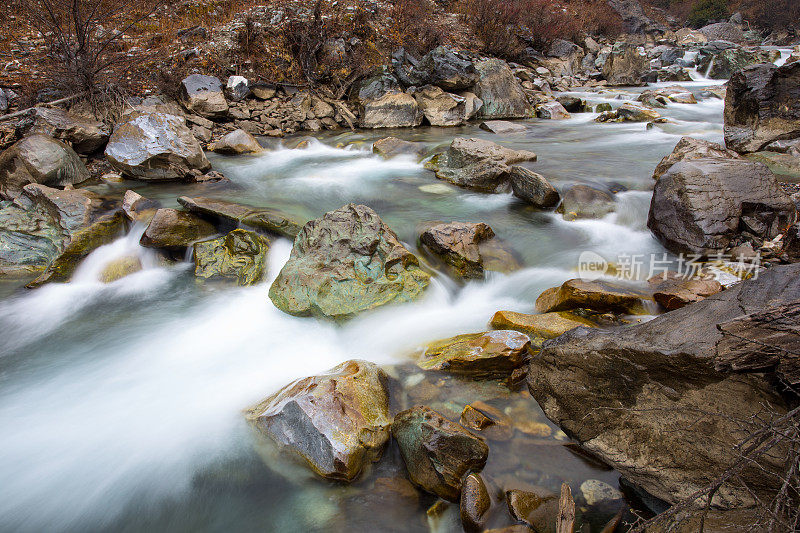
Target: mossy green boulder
[[239, 256], [346, 262]]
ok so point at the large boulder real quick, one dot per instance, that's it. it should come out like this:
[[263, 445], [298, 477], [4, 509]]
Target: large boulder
[[533, 188], [86, 136], [438, 453], [239, 256], [345, 262], [490, 355], [204, 96], [700, 205], [500, 91], [227, 215], [174, 230], [39, 159], [649, 401], [625, 65], [723, 64], [723, 31], [762, 105], [442, 67], [458, 245], [478, 164], [155, 147], [40, 223], [394, 109], [236, 142], [689, 148], [441, 108], [337, 423]]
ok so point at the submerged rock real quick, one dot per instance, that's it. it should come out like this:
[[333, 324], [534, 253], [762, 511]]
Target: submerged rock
[[337, 422], [490, 355], [699, 206], [583, 201], [83, 242], [437, 452], [225, 215], [689, 148], [175, 230], [762, 106], [458, 245], [120, 268], [235, 143], [606, 388], [488, 421], [500, 91], [538, 510], [595, 295], [478, 164], [239, 256], [39, 159], [474, 504], [345, 262], [155, 147]]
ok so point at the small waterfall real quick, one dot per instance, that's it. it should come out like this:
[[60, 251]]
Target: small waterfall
[[91, 269], [707, 74]]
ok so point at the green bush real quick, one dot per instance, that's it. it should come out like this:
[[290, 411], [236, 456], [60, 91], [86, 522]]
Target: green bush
[[705, 11]]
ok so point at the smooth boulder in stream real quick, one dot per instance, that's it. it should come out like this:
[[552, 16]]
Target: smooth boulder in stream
[[337, 422], [40, 159], [346, 262]]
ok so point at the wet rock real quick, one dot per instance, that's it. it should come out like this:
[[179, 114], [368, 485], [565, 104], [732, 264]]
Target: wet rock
[[83, 242], [625, 66], [552, 110], [662, 97], [533, 188], [629, 113], [502, 127], [71, 210], [155, 147], [138, 208], [487, 421], [226, 215], [239, 256], [490, 355], [604, 387], [389, 147], [724, 64], [393, 109], [478, 164], [596, 295], [500, 91], [235, 143], [86, 136], [689, 148], [674, 294], [204, 96], [345, 262], [699, 206], [542, 326], [120, 268], [39, 159], [437, 452], [175, 230], [475, 503], [441, 108], [582, 201], [761, 106], [537, 509], [457, 244], [337, 422]]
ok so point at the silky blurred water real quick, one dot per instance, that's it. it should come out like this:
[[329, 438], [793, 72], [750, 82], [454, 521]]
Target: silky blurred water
[[120, 403]]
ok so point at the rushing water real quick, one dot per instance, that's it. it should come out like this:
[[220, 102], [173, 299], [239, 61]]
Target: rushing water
[[120, 403]]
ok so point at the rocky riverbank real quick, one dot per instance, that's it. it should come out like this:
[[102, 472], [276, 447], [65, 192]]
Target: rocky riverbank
[[658, 381]]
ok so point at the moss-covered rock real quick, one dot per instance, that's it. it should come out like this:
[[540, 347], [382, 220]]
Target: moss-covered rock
[[346, 262], [437, 453], [239, 256], [337, 422], [490, 355]]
